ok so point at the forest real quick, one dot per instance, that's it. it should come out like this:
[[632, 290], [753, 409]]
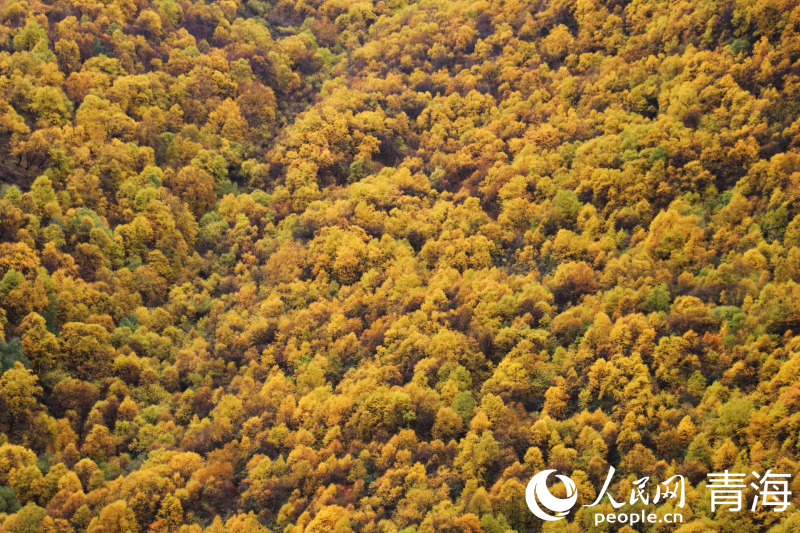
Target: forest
[[345, 266]]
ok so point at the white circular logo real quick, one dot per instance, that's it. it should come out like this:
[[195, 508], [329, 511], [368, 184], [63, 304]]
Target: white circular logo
[[537, 489]]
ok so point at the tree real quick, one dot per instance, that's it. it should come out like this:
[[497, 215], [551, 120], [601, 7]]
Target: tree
[[195, 187], [18, 392], [77, 396], [572, 280], [556, 400], [448, 424], [99, 444], [86, 349], [330, 518], [11, 353], [29, 519], [39, 345], [227, 122], [114, 518]]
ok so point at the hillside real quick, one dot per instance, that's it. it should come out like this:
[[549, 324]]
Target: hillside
[[338, 267]]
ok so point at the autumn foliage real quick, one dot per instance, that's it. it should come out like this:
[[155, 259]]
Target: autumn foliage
[[343, 266]]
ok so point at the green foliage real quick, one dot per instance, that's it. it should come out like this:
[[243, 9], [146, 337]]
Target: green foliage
[[8, 501], [11, 352]]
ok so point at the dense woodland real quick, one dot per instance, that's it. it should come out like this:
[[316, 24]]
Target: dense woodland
[[346, 266]]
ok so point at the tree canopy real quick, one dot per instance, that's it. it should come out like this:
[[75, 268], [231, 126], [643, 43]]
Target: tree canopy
[[345, 266]]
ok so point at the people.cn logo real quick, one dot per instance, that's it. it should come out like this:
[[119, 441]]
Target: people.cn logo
[[538, 496]]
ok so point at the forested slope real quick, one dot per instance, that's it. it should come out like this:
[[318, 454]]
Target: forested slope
[[367, 267]]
